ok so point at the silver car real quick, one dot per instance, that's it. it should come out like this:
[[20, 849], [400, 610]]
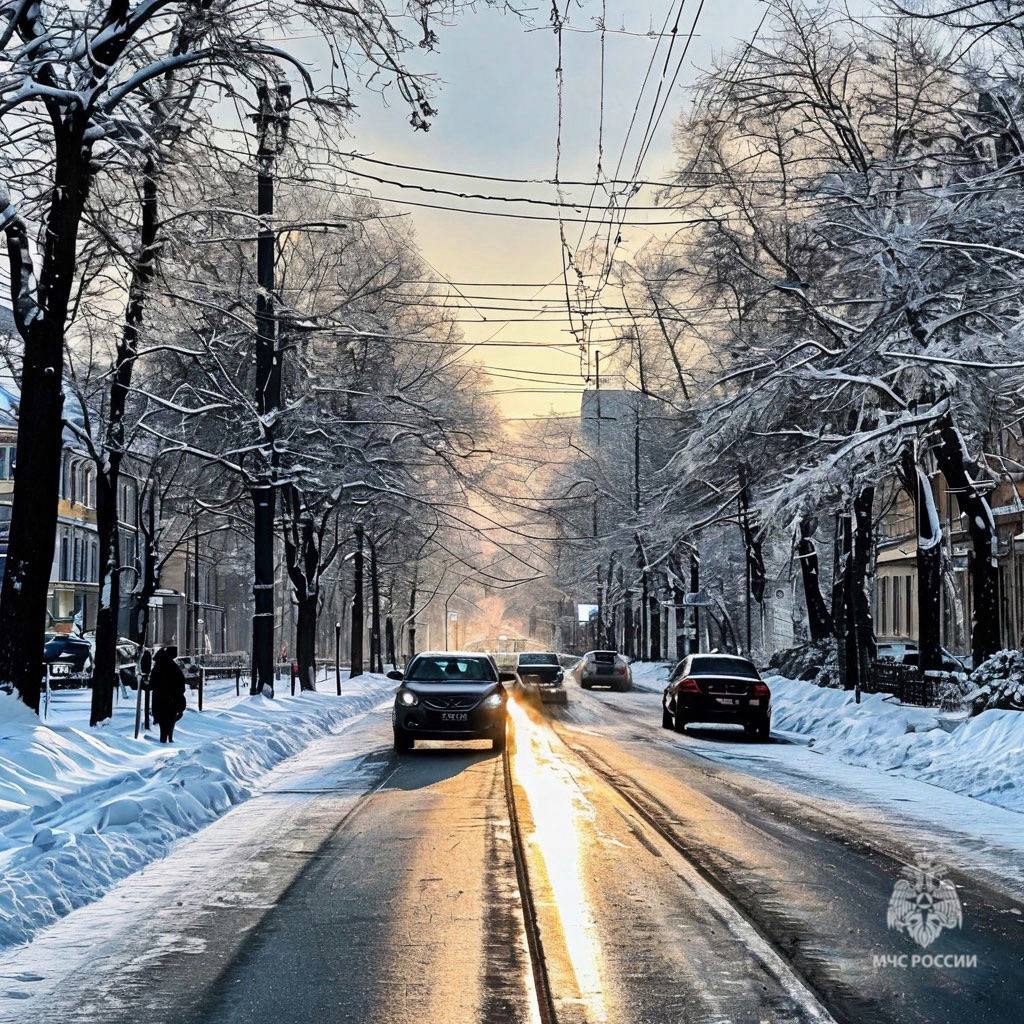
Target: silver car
[[605, 668]]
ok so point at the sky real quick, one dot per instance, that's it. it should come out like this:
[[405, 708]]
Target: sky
[[497, 107]]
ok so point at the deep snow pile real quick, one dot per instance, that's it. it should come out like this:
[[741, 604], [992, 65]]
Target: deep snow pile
[[982, 757], [998, 683], [650, 675], [82, 808]]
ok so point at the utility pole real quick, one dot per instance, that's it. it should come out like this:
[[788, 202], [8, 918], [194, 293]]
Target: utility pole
[[599, 625], [695, 589], [641, 558], [357, 607], [271, 130]]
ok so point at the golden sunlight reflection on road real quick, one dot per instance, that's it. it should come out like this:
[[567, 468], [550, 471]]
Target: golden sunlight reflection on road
[[560, 815]]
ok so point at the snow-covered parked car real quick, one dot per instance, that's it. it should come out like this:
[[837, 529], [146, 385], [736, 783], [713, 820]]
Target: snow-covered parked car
[[905, 652]]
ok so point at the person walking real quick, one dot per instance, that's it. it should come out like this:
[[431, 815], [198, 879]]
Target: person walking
[[167, 682]]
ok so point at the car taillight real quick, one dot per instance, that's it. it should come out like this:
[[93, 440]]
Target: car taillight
[[688, 685], [620, 669], [760, 690]]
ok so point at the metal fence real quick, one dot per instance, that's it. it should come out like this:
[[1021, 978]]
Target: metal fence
[[910, 686]]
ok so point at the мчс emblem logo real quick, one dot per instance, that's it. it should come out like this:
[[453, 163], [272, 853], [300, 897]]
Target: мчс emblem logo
[[924, 903]]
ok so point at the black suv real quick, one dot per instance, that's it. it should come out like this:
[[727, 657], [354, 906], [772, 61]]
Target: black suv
[[447, 696], [717, 688]]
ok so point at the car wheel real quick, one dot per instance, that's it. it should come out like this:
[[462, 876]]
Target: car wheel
[[498, 743], [403, 741], [764, 729], [678, 723], [666, 718], [586, 686]]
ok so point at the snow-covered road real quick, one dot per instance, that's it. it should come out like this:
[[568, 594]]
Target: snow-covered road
[[669, 877]]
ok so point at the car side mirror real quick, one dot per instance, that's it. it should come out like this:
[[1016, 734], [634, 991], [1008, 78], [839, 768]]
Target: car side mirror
[[396, 675], [507, 677]]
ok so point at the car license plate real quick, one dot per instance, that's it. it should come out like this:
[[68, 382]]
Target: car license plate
[[727, 700], [60, 670], [454, 716]]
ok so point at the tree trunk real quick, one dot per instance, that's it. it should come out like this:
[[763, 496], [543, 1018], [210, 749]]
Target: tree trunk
[[389, 640], [412, 610], [104, 666], [818, 618], [305, 641], [644, 623], [357, 607], [138, 621], [962, 474], [108, 463], [41, 319], [628, 631], [654, 616], [376, 658], [863, 572], [929, 560], [695, 589]]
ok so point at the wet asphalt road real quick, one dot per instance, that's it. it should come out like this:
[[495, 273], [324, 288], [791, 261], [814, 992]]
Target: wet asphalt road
[[661, 887]]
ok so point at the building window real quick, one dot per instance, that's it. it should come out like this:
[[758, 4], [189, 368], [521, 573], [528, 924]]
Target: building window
[[65, 558], [908, 591], [897, 606], [883, 618]]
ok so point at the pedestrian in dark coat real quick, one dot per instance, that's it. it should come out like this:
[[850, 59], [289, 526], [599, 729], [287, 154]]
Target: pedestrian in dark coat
[[167, 682]]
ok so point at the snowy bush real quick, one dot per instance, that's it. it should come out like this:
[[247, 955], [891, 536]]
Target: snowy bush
[[998, 683], [815, 662]]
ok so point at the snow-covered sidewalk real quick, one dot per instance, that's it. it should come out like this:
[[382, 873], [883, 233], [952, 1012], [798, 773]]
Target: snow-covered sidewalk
[[82, 808], [981, 757]]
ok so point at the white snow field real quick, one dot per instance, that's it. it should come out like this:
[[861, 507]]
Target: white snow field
[[81, 808]]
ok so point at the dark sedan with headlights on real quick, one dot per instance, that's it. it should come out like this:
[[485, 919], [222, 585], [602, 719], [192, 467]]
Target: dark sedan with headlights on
[[450, 696]]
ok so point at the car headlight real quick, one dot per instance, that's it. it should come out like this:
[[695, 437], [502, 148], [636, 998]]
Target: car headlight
[[493, 701], [408, 698]]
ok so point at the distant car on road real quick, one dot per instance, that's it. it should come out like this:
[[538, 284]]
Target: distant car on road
[[450, 696], [717, 688], [542, 672], [605, 668]]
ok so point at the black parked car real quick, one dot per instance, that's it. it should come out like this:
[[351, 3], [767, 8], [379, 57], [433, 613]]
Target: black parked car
[[450, 696], [67, 654], [717, 688], [542, 673]]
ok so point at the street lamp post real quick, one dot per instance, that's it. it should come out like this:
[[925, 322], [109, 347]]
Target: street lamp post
[[337, 656]]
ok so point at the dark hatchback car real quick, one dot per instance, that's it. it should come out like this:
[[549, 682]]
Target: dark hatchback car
[[717, 688], [446, 696], [542, 672]]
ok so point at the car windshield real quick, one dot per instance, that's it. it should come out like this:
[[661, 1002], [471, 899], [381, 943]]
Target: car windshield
[[723, 667], [446, 669], [538, 659]]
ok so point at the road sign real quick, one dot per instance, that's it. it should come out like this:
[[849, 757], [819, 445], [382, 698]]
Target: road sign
[[699, 600]]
